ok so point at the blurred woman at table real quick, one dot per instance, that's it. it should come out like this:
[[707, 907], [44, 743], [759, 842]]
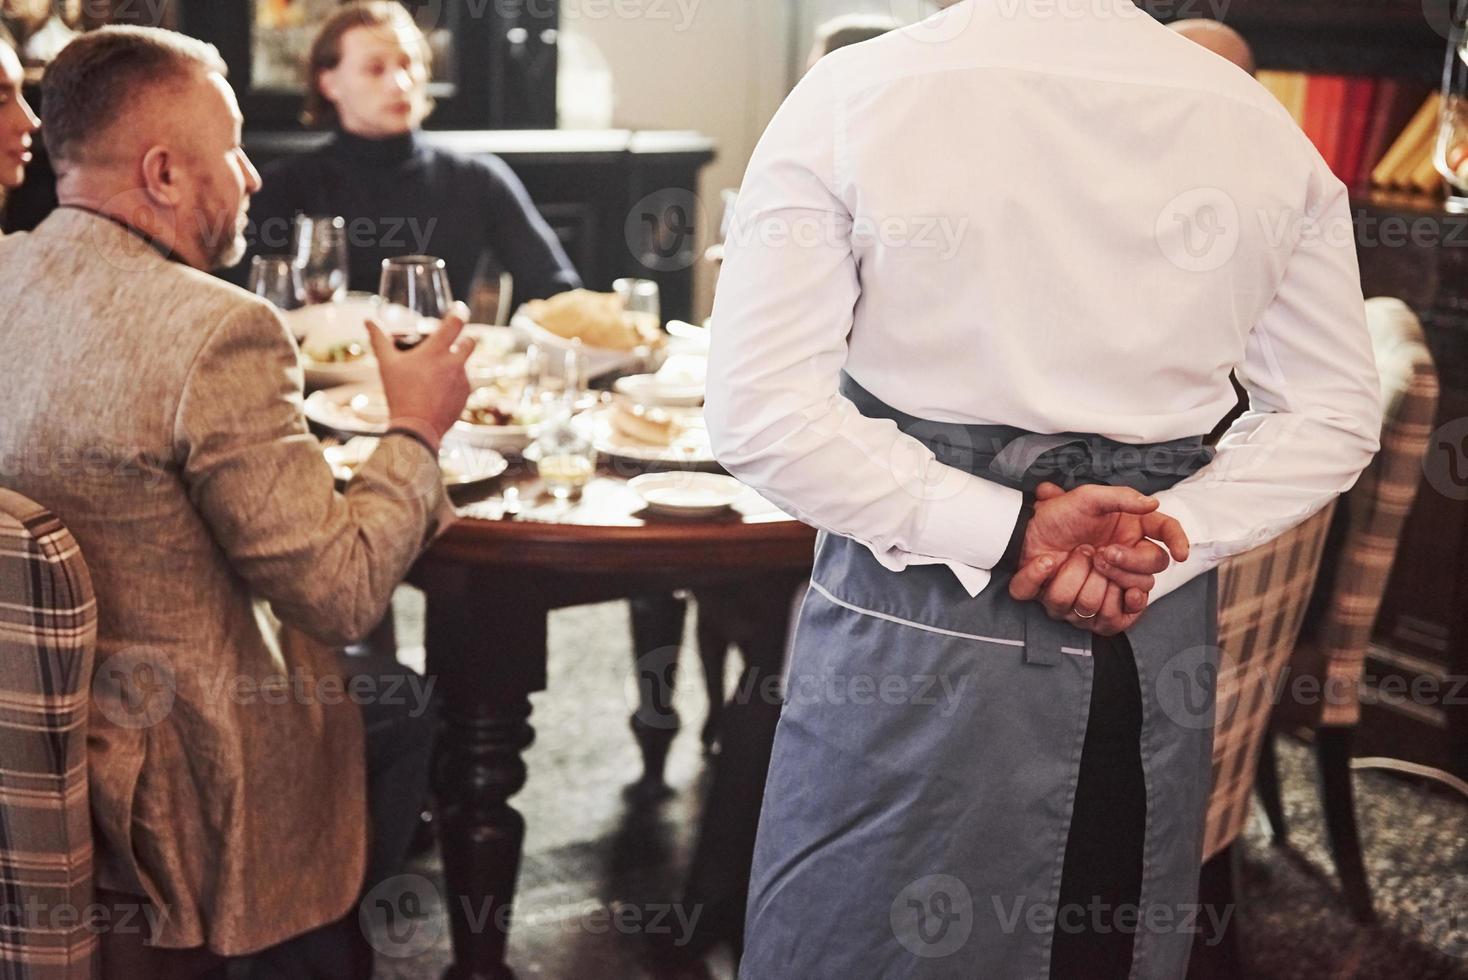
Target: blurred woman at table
[[367, 80], [18, 123]]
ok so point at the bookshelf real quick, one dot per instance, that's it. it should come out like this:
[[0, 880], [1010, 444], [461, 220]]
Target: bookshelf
[[1412, 247], [1355, 37], [1353, 72]]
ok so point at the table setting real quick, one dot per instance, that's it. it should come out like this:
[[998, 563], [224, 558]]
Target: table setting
[[577, 389], [582, 472]]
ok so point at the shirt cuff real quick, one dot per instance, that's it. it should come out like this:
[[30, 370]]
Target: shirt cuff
[[415, 435], [972, 525], [1180, 573], [1009, 561]]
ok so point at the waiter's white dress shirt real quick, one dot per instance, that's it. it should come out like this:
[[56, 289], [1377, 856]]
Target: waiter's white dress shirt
[[1051, 214]]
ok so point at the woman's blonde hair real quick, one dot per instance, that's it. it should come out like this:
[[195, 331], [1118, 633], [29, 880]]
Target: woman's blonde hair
[[326, 49]]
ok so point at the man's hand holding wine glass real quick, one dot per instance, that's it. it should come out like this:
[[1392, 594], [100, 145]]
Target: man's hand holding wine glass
[[426, 387]]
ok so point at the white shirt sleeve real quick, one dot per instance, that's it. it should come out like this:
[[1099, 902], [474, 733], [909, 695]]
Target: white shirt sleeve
[[780, 325], [1314, 419]]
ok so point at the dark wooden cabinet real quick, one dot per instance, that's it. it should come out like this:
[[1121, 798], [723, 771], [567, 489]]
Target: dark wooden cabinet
[[623, 203]]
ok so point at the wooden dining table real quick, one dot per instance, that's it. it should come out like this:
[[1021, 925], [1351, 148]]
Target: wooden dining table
[[490, 582]]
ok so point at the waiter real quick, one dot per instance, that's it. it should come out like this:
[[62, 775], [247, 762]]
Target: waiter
[[987, 280]]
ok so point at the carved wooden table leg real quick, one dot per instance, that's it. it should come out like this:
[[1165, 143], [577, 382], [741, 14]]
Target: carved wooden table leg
[[486, 644]]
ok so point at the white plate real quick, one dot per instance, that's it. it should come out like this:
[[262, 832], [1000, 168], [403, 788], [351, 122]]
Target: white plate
[[489, 341], [504, 438], [361, 410], [344, 322], [330, 375], [651, 389], [355, 409], [689, 448], [462, 466], [599, 360], [324, 325], [687, 493]]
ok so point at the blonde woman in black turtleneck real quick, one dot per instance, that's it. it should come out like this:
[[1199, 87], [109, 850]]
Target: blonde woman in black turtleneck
[[368, 80]]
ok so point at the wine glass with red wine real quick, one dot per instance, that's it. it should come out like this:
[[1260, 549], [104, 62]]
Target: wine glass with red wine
[[416, 295], [321, 252]]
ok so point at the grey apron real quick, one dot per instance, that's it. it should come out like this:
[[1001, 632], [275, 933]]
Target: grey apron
[[919, 798]]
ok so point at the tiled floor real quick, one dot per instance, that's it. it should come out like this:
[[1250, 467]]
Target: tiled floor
[[602, 873]]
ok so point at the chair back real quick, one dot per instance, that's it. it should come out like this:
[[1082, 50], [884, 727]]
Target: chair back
[[1262, 596], [1369, 523], [48, 635]]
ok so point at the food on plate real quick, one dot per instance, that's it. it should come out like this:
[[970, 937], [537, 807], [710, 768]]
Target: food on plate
[[489, 406], [342, 352], [370, 406], [596, 319], [645, 424], [347, 458], [1457, 160]]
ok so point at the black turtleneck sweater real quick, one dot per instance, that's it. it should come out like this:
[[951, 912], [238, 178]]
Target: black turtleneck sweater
[[401, 197]]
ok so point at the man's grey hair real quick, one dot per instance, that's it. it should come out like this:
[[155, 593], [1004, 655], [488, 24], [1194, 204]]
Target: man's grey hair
[[97, 76]]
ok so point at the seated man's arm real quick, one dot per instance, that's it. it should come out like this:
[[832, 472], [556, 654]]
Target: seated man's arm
[[328, 562]]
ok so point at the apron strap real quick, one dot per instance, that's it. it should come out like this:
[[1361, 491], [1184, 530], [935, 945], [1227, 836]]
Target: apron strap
[[1018, 456], [1048, 641]]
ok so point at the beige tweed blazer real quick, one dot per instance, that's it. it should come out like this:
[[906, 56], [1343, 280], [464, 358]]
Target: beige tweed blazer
[[157, 412]]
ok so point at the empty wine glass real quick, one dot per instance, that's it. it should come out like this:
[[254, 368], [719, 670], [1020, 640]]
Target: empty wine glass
[[277, 279], [554, 374], [415, 293], [321, 252], [643, 300]]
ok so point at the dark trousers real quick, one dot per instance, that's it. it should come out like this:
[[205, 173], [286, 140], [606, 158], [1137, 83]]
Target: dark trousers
[[1103, 854], [399, 742]]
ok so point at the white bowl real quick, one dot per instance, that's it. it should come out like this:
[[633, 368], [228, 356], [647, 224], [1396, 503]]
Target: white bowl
[[650, 389], [325, 325], [599, 360]]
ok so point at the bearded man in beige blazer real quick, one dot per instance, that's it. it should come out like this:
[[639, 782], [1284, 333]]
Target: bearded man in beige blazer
[[157, 411]]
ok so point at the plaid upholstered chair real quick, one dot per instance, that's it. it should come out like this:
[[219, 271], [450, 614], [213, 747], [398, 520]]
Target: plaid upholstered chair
[[1329, 662], [1262, 596], [48, 632]]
